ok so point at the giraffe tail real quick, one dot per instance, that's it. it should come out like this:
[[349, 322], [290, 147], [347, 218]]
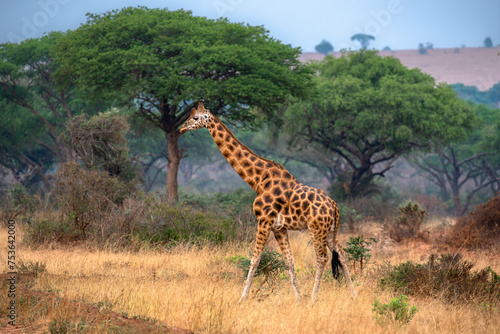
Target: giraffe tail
[[336, 264]]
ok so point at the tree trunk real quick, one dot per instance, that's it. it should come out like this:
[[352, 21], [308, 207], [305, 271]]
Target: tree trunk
[[456, 200], [174, 159]]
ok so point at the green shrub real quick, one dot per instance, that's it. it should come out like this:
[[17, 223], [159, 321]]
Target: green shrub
[[356, 250], [166, 223], [236, 203], [42, 229], [447, 276], [270, 266], [397, 311], [349, 217]]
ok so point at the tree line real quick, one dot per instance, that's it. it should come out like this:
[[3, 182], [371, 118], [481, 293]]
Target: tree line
[[351, 118]]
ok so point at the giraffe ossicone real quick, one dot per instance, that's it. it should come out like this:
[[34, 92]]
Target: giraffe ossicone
[[282, 203]]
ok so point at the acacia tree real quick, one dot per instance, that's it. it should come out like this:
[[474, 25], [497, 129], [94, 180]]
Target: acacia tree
[[363, 39], [324, 47], [462, 169], [161, 62], [371, 110]]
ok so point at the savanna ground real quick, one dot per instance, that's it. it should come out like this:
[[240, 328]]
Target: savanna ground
[[81, 289]]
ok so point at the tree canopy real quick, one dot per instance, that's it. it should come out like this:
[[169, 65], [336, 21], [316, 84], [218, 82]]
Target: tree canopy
[[161, 62], [370, 110], [491, 97], [488, 43], [30, 95], [462, 169], [324, 47]]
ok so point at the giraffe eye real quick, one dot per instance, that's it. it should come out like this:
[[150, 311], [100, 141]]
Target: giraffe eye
[[195, 118]]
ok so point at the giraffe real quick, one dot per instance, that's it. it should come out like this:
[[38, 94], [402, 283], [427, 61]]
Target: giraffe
[[282, 203]]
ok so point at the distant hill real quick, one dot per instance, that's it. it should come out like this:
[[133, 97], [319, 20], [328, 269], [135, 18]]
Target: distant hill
[[478, 67]]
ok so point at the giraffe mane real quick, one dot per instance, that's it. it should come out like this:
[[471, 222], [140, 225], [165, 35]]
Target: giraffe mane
[[276, 164]]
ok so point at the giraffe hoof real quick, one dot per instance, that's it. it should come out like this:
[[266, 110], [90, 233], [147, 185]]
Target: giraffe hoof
[[242, 299]]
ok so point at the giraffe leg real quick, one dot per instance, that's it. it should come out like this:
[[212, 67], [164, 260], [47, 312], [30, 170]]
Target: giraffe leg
[[321, 260], [335, 246], [262, 235], [281, 236], [345, 268]]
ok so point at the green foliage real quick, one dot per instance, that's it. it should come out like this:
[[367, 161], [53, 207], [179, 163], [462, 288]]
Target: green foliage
[[161, 62], [34, 107], [234, 203], [409, 223], [175, 56], [20, 199], [397, 310], [472, 163], [349, 216], [364, 39], [357, 251], [41, 230], [167, 223], [20, 135], [270, 266], [369, 111], [491, 97], [447, 276], [324, 47]]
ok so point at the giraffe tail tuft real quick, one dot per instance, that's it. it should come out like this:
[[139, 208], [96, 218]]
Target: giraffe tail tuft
[[336, 264]]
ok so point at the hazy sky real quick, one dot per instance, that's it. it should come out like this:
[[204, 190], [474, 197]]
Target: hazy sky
[[399, 24]]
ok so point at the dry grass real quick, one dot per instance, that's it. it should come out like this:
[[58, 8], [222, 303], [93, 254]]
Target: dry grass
[[197, 289]]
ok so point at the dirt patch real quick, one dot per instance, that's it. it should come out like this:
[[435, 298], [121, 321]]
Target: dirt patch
[[46, 312]]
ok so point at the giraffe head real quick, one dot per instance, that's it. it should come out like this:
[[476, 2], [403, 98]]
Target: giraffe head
[[199, 118]]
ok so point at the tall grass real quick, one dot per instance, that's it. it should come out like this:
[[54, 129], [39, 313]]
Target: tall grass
[[197, 287]]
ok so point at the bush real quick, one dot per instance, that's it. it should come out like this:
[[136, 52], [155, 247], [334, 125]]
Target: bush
[[356, 250], [349, 217], [409, 223], [46, 227], [270, 266], [397, 310], [235, 203], [16, 200], [87, 198], [100, 142], [479, 229], [372, 208], [165, 223], [447, 276]]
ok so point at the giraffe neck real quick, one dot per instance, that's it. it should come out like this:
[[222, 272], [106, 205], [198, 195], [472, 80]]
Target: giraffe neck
[[251, 167]]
